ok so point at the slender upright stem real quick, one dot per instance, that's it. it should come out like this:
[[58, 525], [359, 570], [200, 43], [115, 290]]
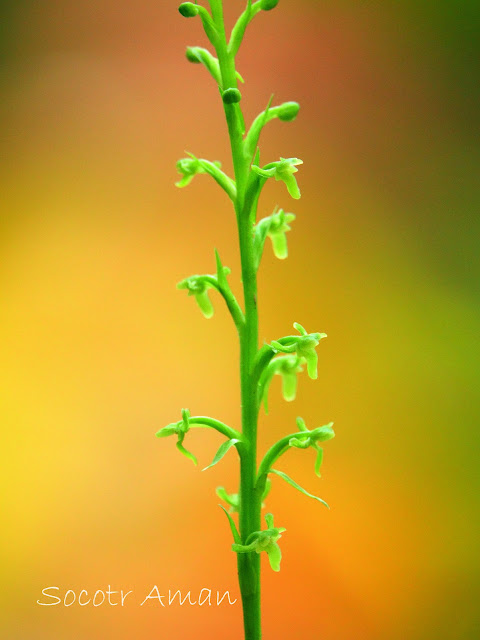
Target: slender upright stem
[[250, 500]]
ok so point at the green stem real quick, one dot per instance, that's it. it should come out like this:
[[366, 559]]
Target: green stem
[[205, 421], [250, 497]]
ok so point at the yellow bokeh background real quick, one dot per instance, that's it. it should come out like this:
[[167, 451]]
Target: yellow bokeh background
[[99, 350]]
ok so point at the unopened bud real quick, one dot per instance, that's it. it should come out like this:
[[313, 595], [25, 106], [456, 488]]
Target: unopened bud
[[231, 96], [188, 9], [288, 111], [267, 5], [192, 55]]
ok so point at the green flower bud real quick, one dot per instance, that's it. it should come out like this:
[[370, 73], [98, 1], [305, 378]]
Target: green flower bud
[[193, 55], [231, 96], [288, 111], [268, 5], [188, 9]]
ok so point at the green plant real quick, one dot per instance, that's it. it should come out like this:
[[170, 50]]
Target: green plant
[[285, 356]]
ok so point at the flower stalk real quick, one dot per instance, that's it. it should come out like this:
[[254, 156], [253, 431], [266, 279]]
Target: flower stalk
[[285, 356]]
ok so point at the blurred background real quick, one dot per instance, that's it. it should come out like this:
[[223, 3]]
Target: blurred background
[[99, 350]]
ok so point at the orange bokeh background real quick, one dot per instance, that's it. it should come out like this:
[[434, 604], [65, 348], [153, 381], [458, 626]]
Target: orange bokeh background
[[99, 350]]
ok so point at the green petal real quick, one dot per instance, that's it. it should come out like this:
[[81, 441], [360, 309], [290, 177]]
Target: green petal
[[184, 181], [269, 520], [289, 385], [318, 460], [320, 434], [224, 447], [204, 303], [279, 245], [311, 358], [185, 420], [186, 453], [301, 424], [297, 486], [292, 186], [274, 556], [169, 430]]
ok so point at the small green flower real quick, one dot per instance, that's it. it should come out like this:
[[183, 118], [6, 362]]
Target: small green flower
[[279, 225], [304, 346], [311, 438], [275, 227], [265, 540], [190, 167], [198, 286], [287, 367], [179, 429], [282, 170]]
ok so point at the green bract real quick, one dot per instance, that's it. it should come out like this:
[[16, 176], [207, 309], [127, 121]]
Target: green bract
[[285, 357]]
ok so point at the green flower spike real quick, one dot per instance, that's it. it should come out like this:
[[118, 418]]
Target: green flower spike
[[198, 286], [282, 170], [265, 540], [304, 346], [179, 429]]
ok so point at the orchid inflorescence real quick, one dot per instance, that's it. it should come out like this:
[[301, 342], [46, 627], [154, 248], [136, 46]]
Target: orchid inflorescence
[[286, 356]]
